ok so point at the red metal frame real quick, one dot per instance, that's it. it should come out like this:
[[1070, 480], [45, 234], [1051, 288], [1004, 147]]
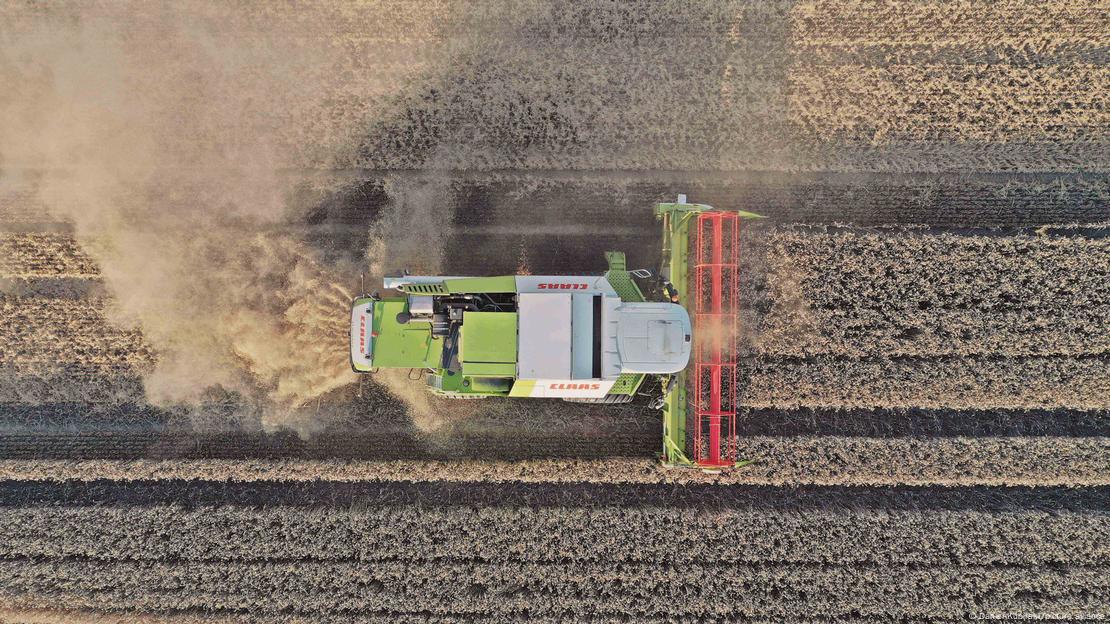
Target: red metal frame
[[717, 284]]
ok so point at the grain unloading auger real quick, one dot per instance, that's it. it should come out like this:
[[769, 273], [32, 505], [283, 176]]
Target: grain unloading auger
[[581, 338]]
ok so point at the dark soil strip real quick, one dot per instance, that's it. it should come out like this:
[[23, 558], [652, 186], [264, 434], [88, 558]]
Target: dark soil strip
[[923, 422], [389, 443], [473, 494], [134, 431]]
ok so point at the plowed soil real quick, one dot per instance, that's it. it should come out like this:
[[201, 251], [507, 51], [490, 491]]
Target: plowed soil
[[925, 353]]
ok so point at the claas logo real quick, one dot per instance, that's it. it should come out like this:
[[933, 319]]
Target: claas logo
[[564, 286], [576, 386]]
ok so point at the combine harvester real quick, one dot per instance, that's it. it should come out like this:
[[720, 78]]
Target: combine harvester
[[582, 338]]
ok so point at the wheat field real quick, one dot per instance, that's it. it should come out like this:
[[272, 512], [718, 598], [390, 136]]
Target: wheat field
[[190, 192]]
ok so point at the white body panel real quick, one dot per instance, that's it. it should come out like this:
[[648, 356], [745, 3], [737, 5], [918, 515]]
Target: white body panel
[[582, 336], [564, 283], [571, 389], [362, 327], [653, 337], [611, 365], [544, 322]]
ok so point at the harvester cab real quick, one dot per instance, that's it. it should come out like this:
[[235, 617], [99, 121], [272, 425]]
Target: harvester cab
[[580, 338]]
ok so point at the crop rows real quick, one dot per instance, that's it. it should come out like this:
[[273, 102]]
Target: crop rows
[[554, 589], [854, 293], [986, 103], [72, 385], [520, 551], [43, 255], [888, 86], [56, 615], [930, 383], [821, 460], [618, 535], [586, 86], [926, 461], [856, 319], [47, 334], [21, 207], [66, 350], [955, 462], [908, 21]]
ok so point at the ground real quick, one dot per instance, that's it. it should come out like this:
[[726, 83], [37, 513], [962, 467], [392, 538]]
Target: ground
[[190, 193]]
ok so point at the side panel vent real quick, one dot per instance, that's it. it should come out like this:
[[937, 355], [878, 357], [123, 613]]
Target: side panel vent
[[424, 289]]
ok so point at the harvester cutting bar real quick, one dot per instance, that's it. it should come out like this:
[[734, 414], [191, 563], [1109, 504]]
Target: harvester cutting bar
[[716, 288]]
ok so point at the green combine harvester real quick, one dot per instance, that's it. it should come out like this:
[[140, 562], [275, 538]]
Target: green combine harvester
[[581, 338]]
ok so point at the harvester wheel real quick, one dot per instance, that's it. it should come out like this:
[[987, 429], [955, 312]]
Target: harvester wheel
[[609, 399]]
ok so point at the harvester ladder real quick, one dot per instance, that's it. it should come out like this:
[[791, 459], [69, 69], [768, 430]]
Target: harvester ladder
[[716, 287]]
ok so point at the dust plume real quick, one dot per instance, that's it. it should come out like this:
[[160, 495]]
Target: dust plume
[[411, 235], [713, 331], [422, 406], [173, 145]]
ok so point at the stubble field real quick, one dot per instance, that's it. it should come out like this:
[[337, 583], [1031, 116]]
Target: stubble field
[[925, 389]]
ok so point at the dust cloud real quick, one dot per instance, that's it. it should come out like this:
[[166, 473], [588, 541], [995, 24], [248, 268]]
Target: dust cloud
[[413, 233], [411, 236], [715, 331], [176, 145]]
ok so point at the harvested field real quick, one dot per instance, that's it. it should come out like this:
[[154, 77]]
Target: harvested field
[[190, 193]]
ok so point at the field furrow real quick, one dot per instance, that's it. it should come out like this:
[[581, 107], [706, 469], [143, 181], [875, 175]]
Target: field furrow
[[778, 461]]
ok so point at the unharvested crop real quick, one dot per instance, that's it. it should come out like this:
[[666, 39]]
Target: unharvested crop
[[43, 255], [389, 553], [855, 293], [850, 318]]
